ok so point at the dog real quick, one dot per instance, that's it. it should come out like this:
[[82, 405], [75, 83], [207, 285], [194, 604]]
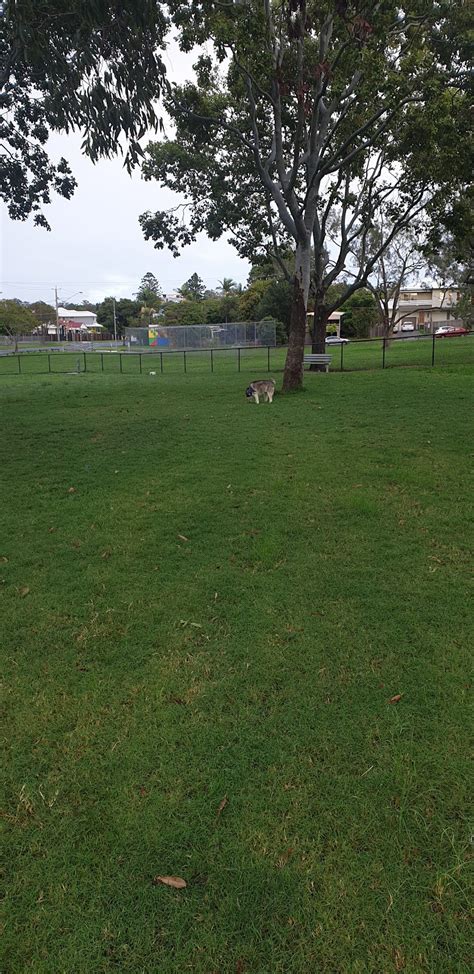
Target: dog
[[260, 387]]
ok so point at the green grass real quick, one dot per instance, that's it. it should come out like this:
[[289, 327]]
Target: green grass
[[357, 355], [147, 676]]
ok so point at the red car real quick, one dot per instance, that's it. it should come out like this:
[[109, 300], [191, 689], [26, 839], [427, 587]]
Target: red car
[[449, 331]]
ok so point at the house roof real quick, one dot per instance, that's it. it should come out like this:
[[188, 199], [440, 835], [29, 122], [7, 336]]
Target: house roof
[[334, 315], [73, 313]]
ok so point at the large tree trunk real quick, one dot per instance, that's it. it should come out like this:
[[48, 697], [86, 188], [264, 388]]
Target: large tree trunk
[[320, 320], [293, 374]]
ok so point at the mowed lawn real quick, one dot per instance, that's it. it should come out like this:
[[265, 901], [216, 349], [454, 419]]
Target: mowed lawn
[[207, 608], [363, 354]]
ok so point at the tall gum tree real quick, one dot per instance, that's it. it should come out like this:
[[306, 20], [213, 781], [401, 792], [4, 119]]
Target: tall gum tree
[[291, 96]]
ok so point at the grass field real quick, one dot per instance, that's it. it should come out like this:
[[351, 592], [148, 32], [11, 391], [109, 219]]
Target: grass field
[[209, 605], [352, 357]]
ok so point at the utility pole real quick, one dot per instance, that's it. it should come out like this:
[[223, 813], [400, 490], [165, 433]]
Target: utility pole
[[115, 320], [57, 312]]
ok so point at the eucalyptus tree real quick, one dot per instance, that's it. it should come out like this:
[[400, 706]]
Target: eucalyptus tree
[[288, 98]]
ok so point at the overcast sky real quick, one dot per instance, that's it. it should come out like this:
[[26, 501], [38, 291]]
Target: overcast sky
[[96, 245]]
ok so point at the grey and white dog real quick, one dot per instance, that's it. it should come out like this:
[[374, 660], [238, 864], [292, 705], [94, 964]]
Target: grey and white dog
[[260, 387]]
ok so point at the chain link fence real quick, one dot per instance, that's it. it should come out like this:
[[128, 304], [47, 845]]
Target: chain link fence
[[179, 338]]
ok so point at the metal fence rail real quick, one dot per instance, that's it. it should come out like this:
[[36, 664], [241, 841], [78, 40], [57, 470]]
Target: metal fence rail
[[364, 354]]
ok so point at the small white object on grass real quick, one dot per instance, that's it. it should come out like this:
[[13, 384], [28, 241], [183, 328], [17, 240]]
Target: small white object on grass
[[152, 373]]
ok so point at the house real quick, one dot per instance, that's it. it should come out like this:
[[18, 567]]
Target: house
[[174, 296], [69, 319], [75, 324], [426, 308]]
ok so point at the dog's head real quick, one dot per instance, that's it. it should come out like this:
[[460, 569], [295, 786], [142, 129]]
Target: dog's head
[[249, 392]]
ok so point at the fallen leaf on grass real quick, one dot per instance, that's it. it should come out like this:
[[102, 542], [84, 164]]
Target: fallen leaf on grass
[[396, 698], [182, 537], [106, 554], [175, 881], [4, 559], [24, 591], [72, 490], [224, 802]]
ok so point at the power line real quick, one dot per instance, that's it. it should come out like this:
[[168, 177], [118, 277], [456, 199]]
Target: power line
[[163, 280]]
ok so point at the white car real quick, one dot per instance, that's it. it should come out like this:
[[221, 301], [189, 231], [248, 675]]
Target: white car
[[408, 326], [334, 340]]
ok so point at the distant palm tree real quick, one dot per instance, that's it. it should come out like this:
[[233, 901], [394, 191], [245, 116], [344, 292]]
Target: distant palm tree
[[227, 285]]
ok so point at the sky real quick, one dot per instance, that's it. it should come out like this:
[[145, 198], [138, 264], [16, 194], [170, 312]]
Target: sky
[[95, 246]]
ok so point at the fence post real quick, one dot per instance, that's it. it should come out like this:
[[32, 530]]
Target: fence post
[[238, 359], [268, 359], [49, 361], [342, 356], [120, 363], [102, 361], [140, 359], [212, 360], [433, 348], [85, 363], [161, 361], [184, 360], [383, 353]]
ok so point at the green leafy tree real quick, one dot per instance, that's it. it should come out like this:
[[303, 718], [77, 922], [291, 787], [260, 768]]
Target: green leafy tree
[[193, 289], [184, 313], [44, 313], [127, 313], [149, 294], [73, 67], [16, 319], [250, 299], [281, 119], [361, 314], [276, 303]]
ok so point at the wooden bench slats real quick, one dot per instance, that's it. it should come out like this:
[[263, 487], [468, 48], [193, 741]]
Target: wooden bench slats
[[317, 359]]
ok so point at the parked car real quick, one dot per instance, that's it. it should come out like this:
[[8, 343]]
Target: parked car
[[450, 331], [334, 340], [408, 326]]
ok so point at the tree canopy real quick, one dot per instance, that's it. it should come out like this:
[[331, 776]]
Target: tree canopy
[[284, 111], [193, 289], [126, 312], [149, 293], [93, 67], [16, 319]]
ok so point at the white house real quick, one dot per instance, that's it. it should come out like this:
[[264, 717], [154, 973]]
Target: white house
[[426, 308], [83, 319]]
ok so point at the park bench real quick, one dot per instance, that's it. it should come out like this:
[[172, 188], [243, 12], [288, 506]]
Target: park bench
[[314, 359]]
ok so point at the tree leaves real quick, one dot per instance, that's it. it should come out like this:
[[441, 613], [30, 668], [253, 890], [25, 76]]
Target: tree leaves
[[49, 54]]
